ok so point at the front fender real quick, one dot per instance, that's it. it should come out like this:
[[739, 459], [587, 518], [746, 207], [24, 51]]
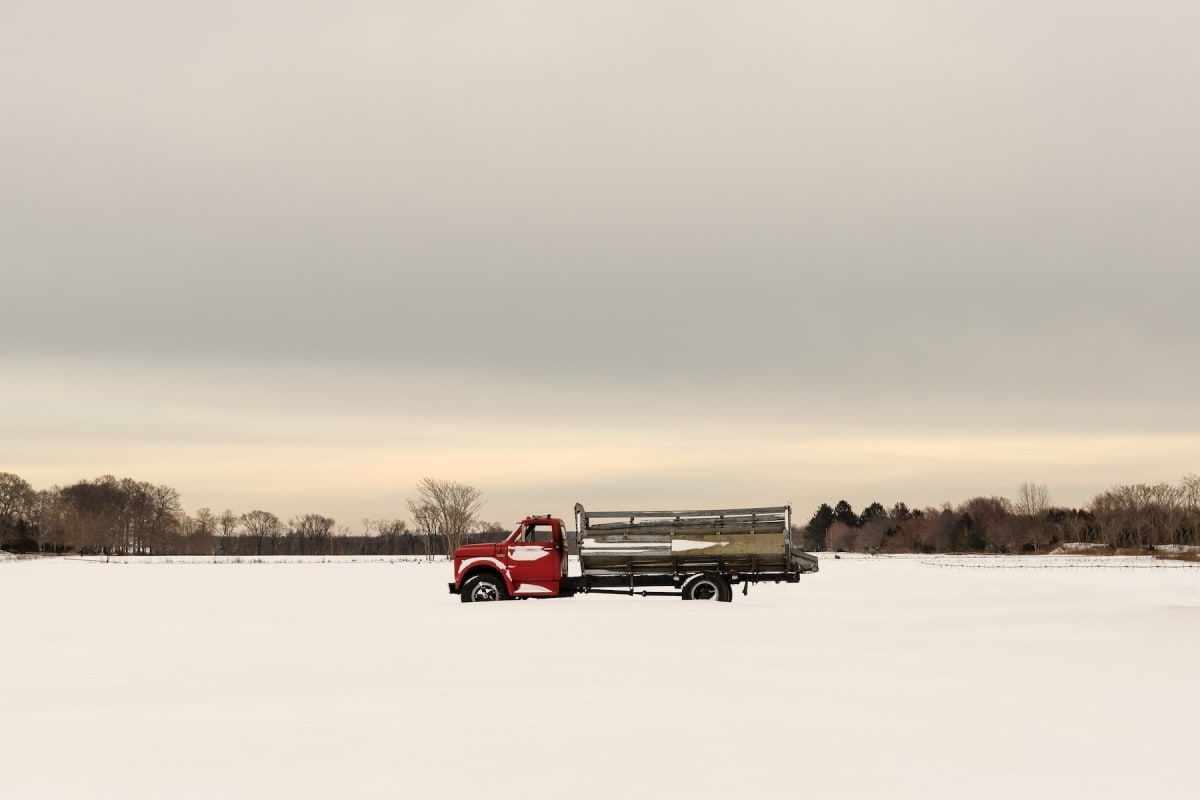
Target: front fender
[[470, 566]]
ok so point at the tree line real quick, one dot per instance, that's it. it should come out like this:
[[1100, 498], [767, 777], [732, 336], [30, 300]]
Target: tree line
[[125, 516], [1126, 517]]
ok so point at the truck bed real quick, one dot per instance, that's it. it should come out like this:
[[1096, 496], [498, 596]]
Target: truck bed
[[745, 543]]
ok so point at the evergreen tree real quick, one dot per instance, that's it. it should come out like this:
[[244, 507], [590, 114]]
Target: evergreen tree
[[872, 512], [818, 527], [843, 513]]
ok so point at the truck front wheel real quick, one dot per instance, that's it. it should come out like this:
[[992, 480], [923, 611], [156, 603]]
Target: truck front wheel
[[707, 586], [482, 589]]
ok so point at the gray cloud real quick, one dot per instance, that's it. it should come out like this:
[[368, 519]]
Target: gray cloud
[[935, 202]]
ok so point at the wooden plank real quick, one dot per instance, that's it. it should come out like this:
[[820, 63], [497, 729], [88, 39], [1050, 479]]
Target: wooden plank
[[715, 522], [718, 512], [742, 552], [664, 529]]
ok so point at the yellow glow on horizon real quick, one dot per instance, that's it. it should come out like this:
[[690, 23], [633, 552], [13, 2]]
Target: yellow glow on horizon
[[299, 457]]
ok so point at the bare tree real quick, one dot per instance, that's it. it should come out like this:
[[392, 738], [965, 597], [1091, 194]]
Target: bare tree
[[314, 528], [939, 532], [1189, 493], [1190, 498], [391, 533], [1139, 515], [203, 532], [165, 516], [95, 514], [47, 519], [227, 525], [368, 526], [1033, 499], [16, 496], [453, 506], [491, 531], [425, 518], [991, 519], [263, 526]]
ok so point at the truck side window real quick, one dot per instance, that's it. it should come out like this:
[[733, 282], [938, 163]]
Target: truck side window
[[540, 534]]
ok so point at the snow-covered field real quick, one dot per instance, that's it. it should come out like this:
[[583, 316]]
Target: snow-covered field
[[907, 677]]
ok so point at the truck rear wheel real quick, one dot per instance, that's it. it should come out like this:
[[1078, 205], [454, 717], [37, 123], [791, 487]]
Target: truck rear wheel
[[707, 586], [483, 589]]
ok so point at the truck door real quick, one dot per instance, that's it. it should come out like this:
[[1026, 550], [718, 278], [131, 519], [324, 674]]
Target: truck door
[[534, 560]]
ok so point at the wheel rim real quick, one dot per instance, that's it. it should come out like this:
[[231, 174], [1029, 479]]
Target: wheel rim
[[485, 591], [705, 590]]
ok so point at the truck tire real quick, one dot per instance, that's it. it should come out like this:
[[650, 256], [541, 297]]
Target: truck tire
[[707, 586], [483, 589]]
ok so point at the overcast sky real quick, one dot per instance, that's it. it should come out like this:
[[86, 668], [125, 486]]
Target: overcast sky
[[298, 255]]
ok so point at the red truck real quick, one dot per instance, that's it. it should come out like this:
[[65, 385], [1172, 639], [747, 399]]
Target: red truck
[[701, 555]]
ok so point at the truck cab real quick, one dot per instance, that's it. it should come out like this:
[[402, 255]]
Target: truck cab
[[530, 562]]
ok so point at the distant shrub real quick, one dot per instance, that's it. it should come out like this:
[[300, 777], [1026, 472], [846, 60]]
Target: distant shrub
[[1177, 555], [18, 542]]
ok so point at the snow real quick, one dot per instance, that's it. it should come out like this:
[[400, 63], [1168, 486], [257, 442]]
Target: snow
[[528, 588], [905, 677], [529, 553], [467, 563]]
